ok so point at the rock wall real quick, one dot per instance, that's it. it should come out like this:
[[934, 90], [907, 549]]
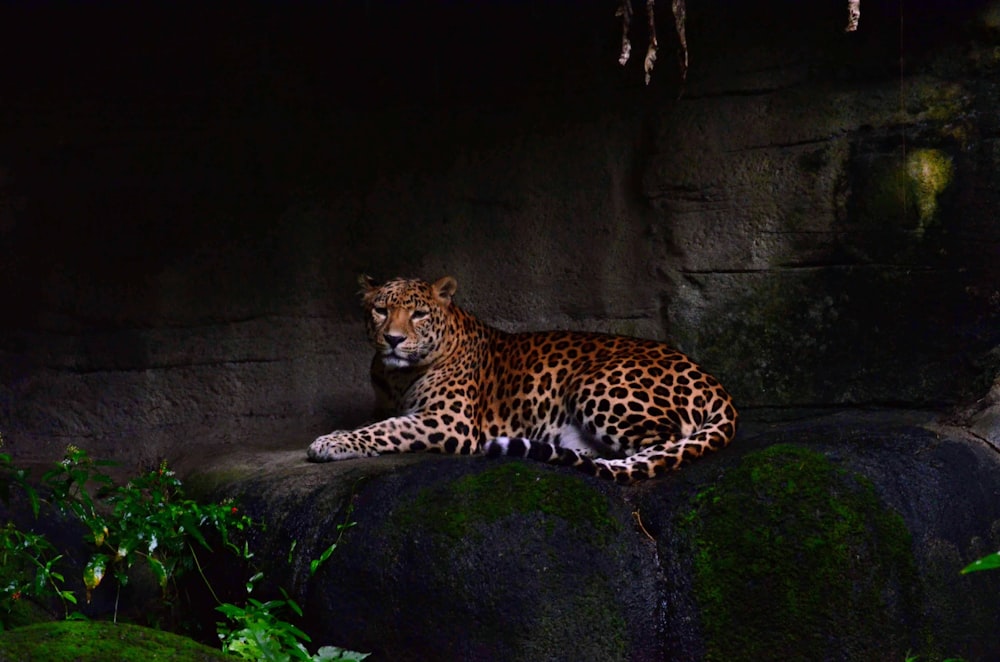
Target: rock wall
[[183, 212]]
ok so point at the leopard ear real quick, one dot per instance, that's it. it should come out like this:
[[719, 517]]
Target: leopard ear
[[444, 288], [367, 283], [368, 287]]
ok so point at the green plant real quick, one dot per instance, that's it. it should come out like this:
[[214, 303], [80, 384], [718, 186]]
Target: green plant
[[147, 519], [325, 554], [11, 476], [258, 631], [261, 632], [27, 560], [988, 562], [27, 565]]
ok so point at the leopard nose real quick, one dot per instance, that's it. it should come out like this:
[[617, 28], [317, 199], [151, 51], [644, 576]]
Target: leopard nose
[[393, 340]]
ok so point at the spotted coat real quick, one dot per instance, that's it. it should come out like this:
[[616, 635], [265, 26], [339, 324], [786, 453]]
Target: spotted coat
[[613, 406]]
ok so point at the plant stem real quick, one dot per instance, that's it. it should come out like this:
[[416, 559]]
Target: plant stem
[[201, 572]]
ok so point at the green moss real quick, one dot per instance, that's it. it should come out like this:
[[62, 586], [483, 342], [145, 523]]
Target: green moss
[[536, 526], [97, 641], [795, 559], [590, 604], [455, 509], [25, 612], [936, 100], [766, 353]]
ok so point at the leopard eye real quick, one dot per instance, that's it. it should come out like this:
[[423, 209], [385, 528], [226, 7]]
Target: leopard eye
[[419, 315], [380, 311]]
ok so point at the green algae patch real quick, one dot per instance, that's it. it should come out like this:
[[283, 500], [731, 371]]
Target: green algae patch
[[98, 641], [795, 558], [457, 509]]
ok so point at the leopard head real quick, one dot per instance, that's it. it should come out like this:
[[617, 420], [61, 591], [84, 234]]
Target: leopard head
[[408, 321]]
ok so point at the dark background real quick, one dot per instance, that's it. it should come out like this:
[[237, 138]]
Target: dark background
[[187, 195]]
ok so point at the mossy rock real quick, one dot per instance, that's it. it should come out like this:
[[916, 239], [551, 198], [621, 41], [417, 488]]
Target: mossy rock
[[24, 612], [470, 555], [797, 559], [99, 641], [460, 508]]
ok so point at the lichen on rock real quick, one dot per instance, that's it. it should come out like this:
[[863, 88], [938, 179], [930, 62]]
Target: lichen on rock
[[788, 543]]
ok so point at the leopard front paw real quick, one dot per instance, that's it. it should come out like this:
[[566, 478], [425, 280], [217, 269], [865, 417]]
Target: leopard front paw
[[337, 445]]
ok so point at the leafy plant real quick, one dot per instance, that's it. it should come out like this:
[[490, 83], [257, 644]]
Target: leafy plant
[[988, 562], [27, 565], [147, 519], [343, 526], [261, 632], [11, 476], [27, 560], [258, 630]]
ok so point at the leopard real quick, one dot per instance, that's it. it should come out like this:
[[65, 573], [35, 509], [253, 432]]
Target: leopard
[[613, 406]]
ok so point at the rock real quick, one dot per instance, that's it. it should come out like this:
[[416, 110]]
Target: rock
[[813, 225], [97, 641], [460, 558], [986, 422], [838, 538]]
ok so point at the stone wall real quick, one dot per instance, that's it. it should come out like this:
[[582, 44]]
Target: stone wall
[[183, 212]]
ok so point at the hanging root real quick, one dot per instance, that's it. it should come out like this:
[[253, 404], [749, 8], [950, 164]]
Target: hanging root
[[625, 11], [853, 15], [680, 18], [651, 49]]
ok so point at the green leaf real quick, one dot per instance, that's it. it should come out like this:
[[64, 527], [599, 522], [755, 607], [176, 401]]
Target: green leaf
[[315, 563], [291, 604], [297, 632], [192, 529], [334, 653], [33, 497], [230, 610], [159, 570], [253, 580], [989, 562], [93, 573]]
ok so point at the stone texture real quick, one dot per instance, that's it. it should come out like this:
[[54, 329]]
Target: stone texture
[[472, 558], [177, 279]]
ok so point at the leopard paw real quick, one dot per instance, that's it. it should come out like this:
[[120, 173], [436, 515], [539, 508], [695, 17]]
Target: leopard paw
[[337, 446]]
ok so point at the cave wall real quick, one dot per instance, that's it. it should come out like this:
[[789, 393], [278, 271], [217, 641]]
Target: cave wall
[[186, 201]]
